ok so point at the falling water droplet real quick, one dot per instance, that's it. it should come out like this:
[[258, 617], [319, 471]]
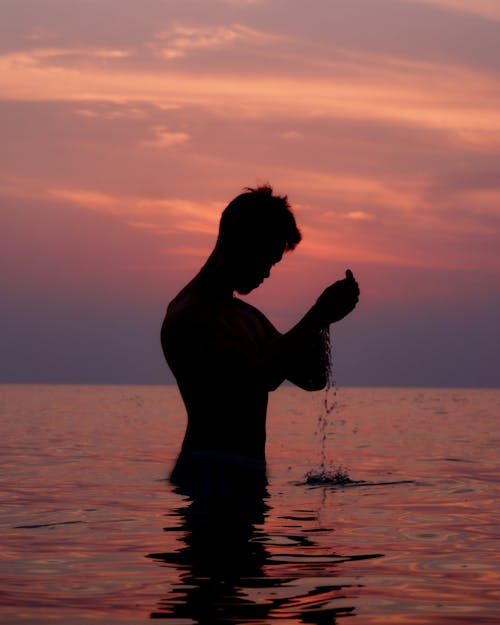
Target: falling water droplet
[[327, 473]]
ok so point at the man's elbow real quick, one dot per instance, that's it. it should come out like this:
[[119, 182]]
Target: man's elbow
[[274, 383], [316, 383]]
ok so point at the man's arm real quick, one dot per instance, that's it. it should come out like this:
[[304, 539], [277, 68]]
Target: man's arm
[[299, 355]]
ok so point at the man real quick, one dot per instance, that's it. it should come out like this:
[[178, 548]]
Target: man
[[226, 355]]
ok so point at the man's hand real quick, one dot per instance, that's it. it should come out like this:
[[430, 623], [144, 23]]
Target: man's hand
[[337, 300]]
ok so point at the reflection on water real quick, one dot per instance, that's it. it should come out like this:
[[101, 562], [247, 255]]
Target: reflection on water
[[222, 552], [233, 571]]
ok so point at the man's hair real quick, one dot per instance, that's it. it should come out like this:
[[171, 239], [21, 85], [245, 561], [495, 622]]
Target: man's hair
[[258, 216]]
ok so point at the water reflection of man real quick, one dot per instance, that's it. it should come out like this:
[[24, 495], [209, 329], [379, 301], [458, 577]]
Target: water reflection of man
[[227, 356], [219, 550], [230, 571]]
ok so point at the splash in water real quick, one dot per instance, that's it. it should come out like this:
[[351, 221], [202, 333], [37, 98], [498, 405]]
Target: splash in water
[[336, 475], [327, 473]]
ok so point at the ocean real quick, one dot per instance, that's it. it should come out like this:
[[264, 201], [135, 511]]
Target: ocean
[[94, 533]]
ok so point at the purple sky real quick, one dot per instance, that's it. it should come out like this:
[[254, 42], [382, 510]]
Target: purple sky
[[127, 127]]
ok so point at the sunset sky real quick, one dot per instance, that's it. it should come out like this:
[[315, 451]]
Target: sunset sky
[[127, 126]]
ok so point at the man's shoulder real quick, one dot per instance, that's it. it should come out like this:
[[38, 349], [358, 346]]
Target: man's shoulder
[[254, 312], [186, 308], [184, 324], [184, 302]]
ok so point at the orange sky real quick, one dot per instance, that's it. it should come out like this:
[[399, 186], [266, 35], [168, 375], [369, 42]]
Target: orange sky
[[127, 127]]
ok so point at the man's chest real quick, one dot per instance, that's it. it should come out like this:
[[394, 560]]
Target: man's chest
[[245, 326]]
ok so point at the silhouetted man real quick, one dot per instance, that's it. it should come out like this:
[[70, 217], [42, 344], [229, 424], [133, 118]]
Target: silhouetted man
[[226, 355]]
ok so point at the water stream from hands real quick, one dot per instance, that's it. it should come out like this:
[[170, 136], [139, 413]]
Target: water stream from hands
[[327, 472]]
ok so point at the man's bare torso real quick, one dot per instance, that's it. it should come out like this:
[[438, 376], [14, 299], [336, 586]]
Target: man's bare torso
[[215, 347]]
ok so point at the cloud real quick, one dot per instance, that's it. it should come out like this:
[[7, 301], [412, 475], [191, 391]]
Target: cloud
[[89, 199], [164, 138], [165, 215], [391, 89], [292, 135], [488, 9], [356, 190], [113, 112], [54, 55], [181, 40], [244, 3], [408, 223], [358, 215]]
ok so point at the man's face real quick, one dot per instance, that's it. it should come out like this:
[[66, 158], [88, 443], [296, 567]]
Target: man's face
[[255, 266]]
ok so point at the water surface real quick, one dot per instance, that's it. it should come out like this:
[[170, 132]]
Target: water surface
[[93, 533]]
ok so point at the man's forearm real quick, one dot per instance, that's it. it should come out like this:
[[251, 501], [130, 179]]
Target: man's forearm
[[299, 354]]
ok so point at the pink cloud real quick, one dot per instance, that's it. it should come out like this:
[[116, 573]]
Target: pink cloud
[[165, 138], [488, 9]]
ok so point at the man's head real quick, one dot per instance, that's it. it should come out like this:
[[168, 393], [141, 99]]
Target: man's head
[[256, 228]]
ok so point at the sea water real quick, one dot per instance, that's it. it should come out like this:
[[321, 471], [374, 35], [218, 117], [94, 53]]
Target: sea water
[[93, 533]]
